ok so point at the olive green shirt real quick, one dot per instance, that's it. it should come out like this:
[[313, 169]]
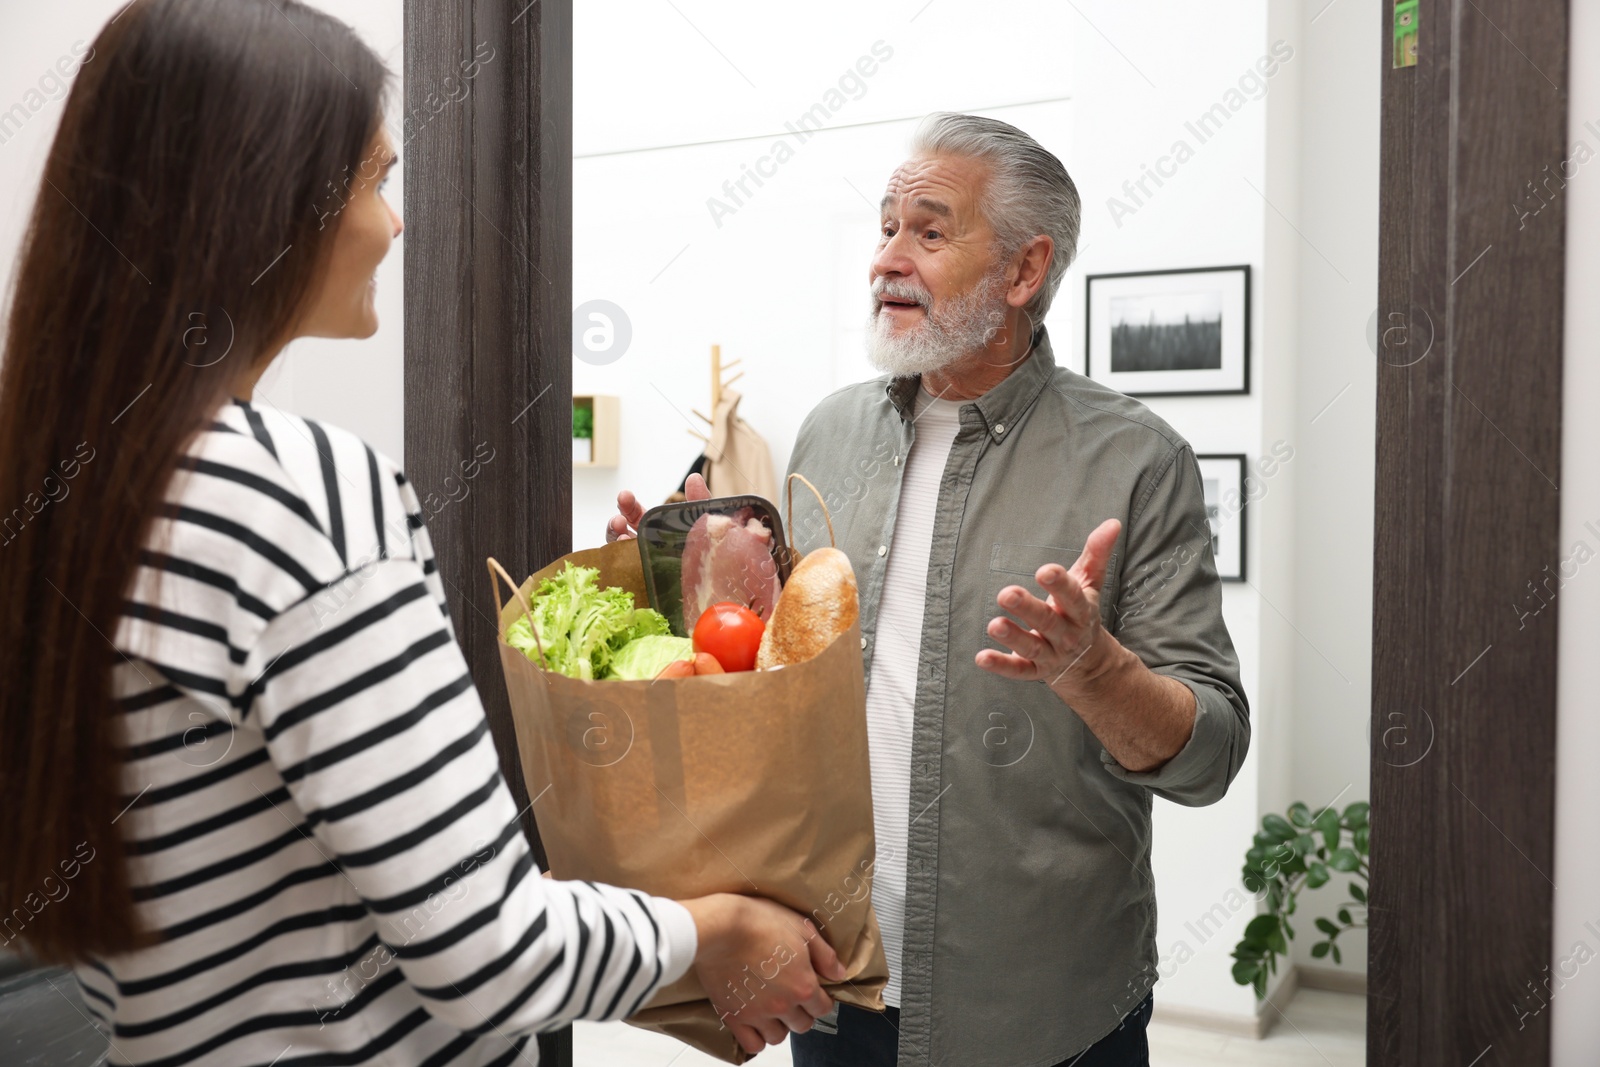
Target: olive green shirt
[[1030, 906]]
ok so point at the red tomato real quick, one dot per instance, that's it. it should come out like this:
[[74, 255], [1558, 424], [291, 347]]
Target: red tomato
[[731, 634]]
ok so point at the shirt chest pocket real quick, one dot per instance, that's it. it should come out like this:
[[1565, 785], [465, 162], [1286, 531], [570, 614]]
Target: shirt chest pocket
[[1009, 558], [1011, 561]]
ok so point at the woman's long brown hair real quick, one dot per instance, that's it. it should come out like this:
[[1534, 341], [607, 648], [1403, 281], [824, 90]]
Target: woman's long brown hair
[[186, 211]]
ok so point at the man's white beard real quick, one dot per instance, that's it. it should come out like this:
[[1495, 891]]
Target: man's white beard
[[957, 327]]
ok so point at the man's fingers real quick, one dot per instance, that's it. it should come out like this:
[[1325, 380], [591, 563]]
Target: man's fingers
[[1091, 564], [632, 511], [1043, 617], [695, 488], [1006, 665], [622, 526], [630, 507], [772, 1030], [818, 1003], [1023, 642], [1066, 592]]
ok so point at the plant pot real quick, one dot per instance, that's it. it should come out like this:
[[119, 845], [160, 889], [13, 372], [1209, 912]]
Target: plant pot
[[583, 450]]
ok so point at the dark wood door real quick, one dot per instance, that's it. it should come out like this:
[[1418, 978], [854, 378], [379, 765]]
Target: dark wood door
[[487, 131], [1468, 468]]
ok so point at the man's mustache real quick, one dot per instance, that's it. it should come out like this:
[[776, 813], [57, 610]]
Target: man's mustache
[[895, 291]]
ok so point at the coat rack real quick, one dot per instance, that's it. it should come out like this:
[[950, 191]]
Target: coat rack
[[718, 384]]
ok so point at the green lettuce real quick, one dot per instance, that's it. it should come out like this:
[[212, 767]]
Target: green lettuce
[[581, 626], [642, 658]]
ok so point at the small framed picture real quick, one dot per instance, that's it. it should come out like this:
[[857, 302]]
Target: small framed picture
[[1223, 479], [1169, 333]]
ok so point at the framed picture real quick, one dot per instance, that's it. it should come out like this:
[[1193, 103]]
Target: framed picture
[[1223, 479], [1169, 333]]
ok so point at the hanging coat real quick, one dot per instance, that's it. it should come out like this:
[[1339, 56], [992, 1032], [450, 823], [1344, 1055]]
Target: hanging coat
[[740, 461]]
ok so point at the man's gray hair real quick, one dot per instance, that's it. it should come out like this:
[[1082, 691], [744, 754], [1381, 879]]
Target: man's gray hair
[[1030, 192]]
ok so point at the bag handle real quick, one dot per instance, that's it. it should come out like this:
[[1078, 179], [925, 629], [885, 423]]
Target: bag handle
[[788, 516], [497, 571]]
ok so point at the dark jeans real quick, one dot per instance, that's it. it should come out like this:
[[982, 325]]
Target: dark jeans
[[867, 1039]]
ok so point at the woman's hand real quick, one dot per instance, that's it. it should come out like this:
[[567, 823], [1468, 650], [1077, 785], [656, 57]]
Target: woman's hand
[[625, 523], [760, 964]]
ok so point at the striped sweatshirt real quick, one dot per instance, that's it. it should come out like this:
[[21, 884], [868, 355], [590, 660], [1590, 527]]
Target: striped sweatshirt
[[315, 820]]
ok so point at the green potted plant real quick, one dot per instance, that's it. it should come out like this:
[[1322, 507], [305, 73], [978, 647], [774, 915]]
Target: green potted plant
[[1304, 851], [582, 434]]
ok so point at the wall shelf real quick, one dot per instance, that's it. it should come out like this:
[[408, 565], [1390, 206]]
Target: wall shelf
[[607, 411]]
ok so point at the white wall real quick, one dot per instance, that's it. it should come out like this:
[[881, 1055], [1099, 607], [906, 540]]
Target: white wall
[[1334, 426], [1279, 287], [1574, 985], [357, 385]]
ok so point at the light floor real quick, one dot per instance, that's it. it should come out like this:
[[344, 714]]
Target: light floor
[[1318, 1029]]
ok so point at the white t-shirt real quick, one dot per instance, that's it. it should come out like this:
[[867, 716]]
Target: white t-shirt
[[892, 686]]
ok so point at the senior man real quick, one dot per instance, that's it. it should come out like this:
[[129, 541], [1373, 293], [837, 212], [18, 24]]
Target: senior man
[[1011, 786]]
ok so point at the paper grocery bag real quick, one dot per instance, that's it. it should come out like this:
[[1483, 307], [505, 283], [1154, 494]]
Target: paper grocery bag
[[755, 782]]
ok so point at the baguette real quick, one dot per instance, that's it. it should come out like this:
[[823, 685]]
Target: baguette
[[817, 604]]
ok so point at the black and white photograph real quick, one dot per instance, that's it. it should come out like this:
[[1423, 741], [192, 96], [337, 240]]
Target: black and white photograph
[[1222, 478], [1169, 333], [1178, 331]]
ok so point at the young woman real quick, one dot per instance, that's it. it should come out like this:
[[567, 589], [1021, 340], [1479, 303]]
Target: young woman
[[250, 792]]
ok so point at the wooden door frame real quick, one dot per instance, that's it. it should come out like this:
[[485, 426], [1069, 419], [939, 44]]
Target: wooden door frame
[[487, 151], [1467, 516]]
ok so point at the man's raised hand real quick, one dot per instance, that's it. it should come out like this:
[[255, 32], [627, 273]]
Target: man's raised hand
[[1064, 635]]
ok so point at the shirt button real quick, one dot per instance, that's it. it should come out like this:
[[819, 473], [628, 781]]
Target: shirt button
[[863, 644], [883, 550], [1000, 427]]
